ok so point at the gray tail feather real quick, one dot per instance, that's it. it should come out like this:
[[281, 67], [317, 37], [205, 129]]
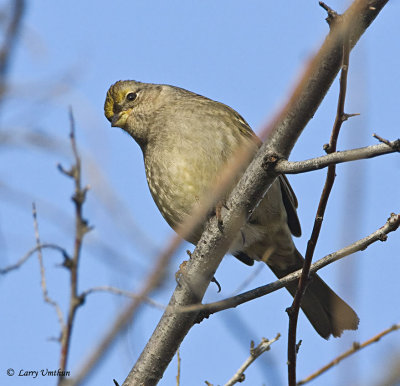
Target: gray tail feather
[[326, 311]]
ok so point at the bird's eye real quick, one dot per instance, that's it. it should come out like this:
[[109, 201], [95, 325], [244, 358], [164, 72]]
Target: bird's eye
[[131, 96]]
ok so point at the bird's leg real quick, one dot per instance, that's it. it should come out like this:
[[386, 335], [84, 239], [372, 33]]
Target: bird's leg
[[181, 272]]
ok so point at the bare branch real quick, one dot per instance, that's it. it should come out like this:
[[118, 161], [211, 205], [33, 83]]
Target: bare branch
[[206, 310], [356, 347], [255, 352], [394, 145], [30, 253], [81, 228], [287, 167], [118, 291]]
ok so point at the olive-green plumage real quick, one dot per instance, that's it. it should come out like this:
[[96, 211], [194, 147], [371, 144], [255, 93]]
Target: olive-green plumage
[[186, 140]]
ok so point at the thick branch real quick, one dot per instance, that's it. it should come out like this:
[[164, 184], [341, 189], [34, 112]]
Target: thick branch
[[282, 135]]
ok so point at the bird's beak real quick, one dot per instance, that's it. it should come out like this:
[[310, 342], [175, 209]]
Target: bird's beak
[[119, 119], [114, 120]]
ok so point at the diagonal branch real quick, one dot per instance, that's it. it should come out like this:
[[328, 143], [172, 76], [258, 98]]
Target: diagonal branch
[[355, 348], [10, 38]]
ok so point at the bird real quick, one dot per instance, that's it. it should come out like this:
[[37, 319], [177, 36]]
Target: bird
[[187, 140]]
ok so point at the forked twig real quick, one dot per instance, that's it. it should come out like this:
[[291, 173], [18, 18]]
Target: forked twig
[[255, 352]]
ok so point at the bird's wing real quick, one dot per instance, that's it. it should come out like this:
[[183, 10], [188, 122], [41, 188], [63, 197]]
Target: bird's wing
[[290, 203]]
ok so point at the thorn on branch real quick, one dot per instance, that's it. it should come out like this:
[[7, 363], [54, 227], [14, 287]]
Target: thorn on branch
[[298, 346], [214, 280], [346, 116], [69, 173]]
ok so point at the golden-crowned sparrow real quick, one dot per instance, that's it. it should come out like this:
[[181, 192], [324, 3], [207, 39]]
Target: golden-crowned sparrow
[[186, 140]]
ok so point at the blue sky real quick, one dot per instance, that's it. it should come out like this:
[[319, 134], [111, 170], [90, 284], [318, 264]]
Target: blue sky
[[247, 55]]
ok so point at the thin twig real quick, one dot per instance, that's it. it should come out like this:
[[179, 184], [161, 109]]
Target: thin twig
[[356, 347], [30, 253], [118, 291], [255, 352], [391, 225], [293, 310], [46, 296], [394, 145], [290, 167]]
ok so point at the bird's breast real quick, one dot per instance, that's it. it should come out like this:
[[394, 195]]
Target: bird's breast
[[177, 181]]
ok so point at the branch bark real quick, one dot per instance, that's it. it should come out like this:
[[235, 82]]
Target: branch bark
[[290, 167], [282, 134]]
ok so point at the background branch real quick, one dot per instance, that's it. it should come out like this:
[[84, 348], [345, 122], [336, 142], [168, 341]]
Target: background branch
[[30, 253], [356, 347], [81, 228], [46, 296], [9, 42]]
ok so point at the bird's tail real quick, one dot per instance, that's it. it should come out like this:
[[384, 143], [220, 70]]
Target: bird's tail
[[326, 311]]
